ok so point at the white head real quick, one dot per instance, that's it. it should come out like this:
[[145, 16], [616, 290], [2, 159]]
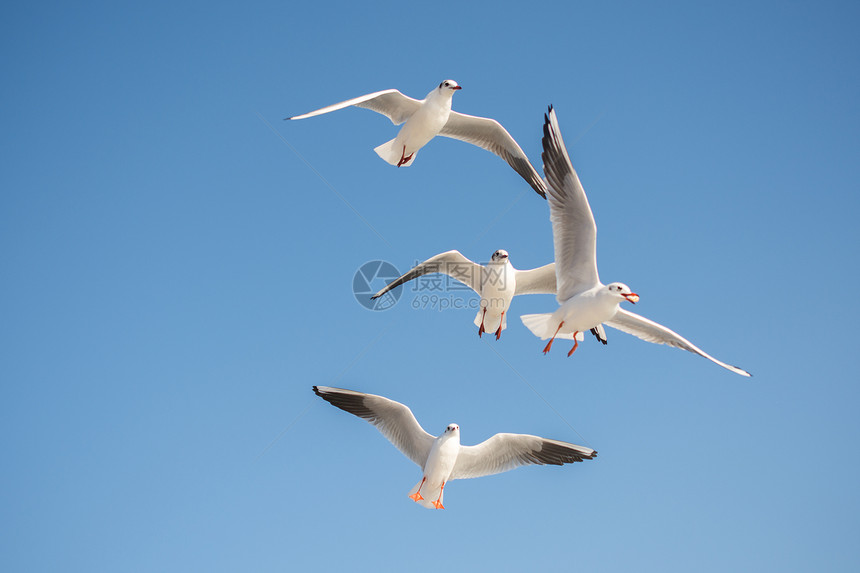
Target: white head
[[452, 430], [499, 256], [622, 291], [448, 87]]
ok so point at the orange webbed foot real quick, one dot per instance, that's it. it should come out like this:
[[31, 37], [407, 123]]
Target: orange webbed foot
[[438, 504], [416, 497]]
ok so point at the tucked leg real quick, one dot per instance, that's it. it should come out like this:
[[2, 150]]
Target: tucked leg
[[438, 503], [417, 495], [549, 344], [575, 344], [404, 158]]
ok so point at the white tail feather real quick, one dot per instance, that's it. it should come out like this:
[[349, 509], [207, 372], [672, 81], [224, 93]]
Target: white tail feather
[[538, 324], [430, 494], [392, 154], [491, 321], [542, 327]]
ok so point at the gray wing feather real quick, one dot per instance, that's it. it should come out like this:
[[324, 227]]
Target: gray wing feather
[[505, 452], [490, 135], [390, 103], [393, 419], [536, 281], [574, 231], [650, 331], [451, 263]]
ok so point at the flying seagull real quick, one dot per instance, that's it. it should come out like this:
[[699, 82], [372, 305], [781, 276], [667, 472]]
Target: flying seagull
[[442, 458], [497, 283], [584, 301], [425, 119]]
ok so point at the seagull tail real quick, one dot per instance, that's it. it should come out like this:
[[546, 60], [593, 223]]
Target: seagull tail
[[491, 321], [538, 324], [392, 154], [428, 494], [542, 326]]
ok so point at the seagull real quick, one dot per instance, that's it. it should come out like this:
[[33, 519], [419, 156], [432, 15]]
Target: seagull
[[442, 458], [425, 119], [497, 284], [584, 301]]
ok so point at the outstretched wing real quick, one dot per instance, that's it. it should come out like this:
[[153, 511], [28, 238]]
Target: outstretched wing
[[505, 452], [393, 419], [489, 134], [650, 331], [574, 231], [451, 263], [536, 281], [390, 103]]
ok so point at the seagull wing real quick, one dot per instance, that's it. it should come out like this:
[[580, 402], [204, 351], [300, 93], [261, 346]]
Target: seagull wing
[[599, 333], [574, 231], [536, 281], [505, 452], [489, 134], [393, 419], [390, 103], [451, 263], [650, 331]]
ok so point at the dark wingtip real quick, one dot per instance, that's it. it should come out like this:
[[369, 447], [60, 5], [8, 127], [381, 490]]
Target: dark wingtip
[[317, 391]]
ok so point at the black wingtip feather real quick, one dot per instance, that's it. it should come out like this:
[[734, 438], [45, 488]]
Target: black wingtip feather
[[596, 334], [354, 404], [558, 454]]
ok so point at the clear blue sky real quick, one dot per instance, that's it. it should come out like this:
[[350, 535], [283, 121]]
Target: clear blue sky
[[175, 279]]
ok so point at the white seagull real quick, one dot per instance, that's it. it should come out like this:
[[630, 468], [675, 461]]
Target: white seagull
[[443, 458], [584, 301], [425, 119], [497, 283]]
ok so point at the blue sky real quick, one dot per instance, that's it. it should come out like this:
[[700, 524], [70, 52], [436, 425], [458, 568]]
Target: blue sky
[[178, 266]]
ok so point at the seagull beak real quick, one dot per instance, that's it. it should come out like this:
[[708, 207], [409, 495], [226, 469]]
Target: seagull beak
[[632, 297], [457, 88]]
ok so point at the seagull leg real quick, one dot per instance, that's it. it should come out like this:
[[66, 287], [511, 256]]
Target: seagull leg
[[404, 158], [549, 344], [575, 344], [438, 503], [417, 495], [481, 328], [501, 321]]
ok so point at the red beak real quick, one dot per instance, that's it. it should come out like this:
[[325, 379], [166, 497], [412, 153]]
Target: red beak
[[457, 88], [632, 297]]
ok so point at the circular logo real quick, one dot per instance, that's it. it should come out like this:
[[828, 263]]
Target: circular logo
[[369, 279]]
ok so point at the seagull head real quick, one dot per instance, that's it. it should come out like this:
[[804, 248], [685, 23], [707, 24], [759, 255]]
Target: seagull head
[[623, 291], [500, 255], [452, 429], [449, 86]]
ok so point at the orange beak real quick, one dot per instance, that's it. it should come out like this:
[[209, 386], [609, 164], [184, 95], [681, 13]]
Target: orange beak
[[632, 297]]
